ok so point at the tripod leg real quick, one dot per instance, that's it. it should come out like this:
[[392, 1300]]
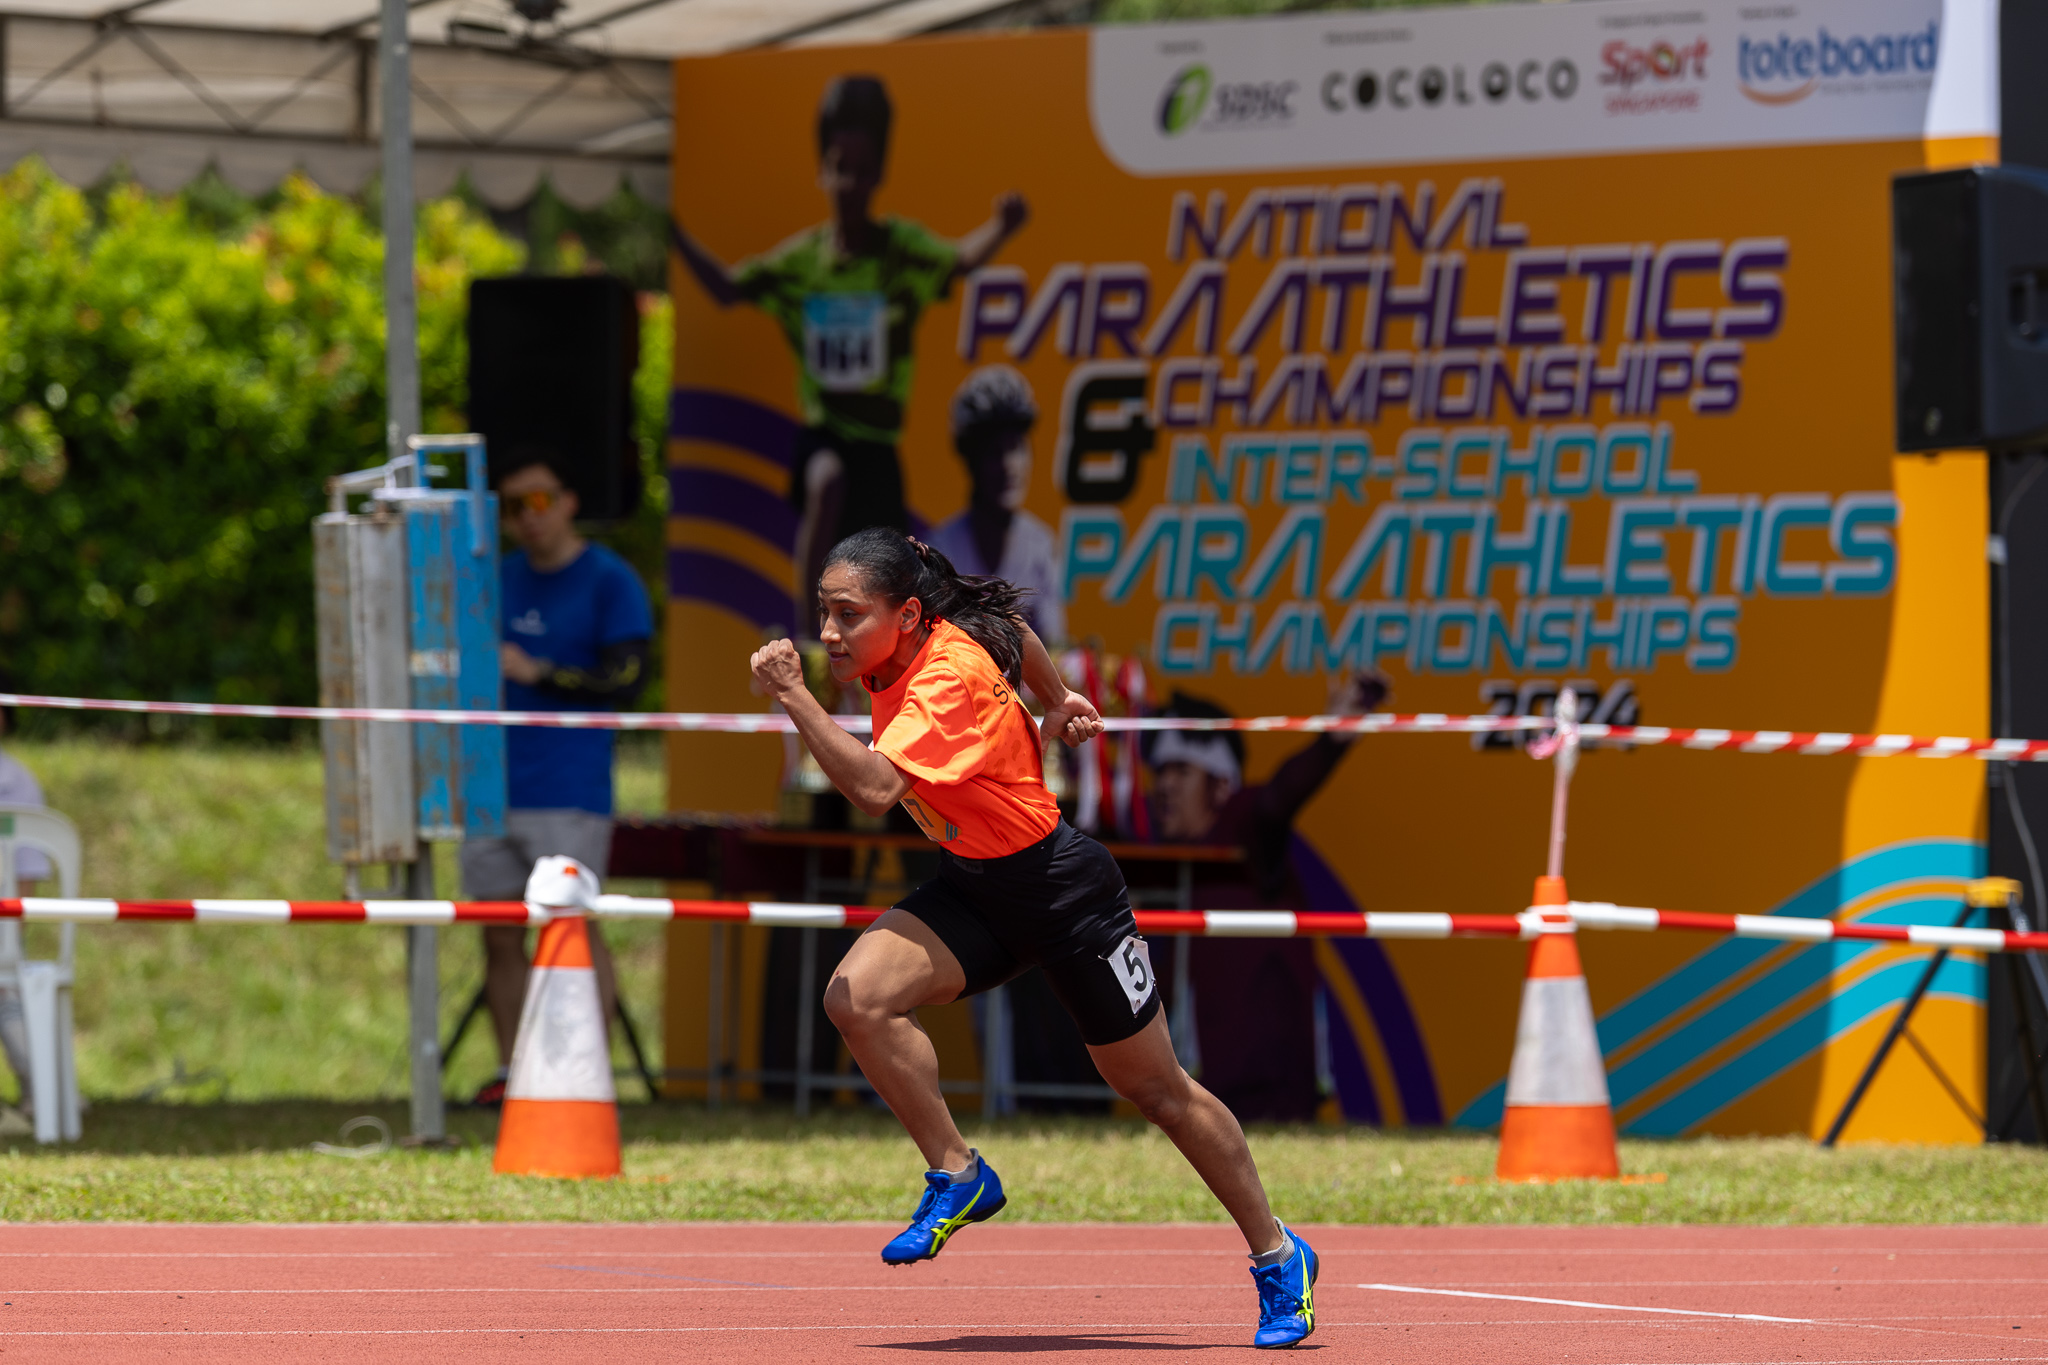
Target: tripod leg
[[2032, 1089], [476, 1007], [633, 1046], [2034, 1075], [1891, 1039]]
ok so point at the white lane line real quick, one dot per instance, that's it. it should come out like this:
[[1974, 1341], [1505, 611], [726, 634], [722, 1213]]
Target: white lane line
[[1582, 1303], [1951, 1317]]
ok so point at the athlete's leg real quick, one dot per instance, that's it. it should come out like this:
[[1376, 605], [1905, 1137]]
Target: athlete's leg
[[894, 968], [824, 476], [1143, 1069]]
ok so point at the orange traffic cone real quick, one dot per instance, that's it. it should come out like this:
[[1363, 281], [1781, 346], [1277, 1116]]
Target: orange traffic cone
[[561, 1114], [1558, 1124]]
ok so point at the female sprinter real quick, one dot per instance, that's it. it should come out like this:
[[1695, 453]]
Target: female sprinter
[[942, 655]]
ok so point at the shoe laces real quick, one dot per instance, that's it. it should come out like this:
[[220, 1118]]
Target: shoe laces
[[1277, 1298], [935, 1184]]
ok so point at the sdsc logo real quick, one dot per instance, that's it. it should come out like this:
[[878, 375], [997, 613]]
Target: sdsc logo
[[1194, 97], [1187, 94], [1785, 70]]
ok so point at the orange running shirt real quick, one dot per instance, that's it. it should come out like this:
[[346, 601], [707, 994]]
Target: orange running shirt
[[957, 729]]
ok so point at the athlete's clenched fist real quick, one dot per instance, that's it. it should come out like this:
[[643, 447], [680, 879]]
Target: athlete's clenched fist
[[778, 669]]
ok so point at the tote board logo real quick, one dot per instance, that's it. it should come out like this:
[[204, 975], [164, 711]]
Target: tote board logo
[[1784, 69]]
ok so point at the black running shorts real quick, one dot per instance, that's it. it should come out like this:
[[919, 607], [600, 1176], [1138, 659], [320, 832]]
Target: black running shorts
[[871, 487], [1060, 904]]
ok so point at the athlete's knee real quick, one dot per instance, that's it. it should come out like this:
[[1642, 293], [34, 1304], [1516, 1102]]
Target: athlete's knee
[[1162, 1099], [839, 1006], [851, 1010]]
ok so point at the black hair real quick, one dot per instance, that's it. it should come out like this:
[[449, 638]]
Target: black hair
[[524, 457], [898, 568], [1191, 707], [855, 104], [992, 408]]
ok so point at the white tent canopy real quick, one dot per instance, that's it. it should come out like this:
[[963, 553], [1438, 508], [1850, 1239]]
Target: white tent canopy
[[259, 88]]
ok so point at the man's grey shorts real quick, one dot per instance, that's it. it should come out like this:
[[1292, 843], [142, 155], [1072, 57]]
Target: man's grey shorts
[[496, 869]]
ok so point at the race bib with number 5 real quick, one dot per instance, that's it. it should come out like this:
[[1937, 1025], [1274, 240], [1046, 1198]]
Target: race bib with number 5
[[1132, 963]]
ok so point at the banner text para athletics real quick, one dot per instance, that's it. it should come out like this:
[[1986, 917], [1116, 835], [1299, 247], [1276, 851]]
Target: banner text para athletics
[[1382, 300]]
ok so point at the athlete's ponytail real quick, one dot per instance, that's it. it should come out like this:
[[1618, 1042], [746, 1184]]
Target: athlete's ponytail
[[897, 567]]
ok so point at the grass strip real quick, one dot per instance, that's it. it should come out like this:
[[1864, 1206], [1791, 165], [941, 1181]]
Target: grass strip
[[253, 1162]]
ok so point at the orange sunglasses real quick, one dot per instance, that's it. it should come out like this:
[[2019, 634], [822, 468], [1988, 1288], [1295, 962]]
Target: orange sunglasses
[[539, 501]]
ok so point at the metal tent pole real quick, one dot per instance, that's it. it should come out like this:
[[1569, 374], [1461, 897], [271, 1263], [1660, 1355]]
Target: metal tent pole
[[401, 312], [423, 995], [806, 1017], [402, 421]]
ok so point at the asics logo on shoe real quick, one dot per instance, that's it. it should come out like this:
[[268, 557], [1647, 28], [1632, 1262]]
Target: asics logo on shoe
[[949, 1226]]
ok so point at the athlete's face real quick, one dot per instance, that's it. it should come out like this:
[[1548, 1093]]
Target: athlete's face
[[850, 171], [863, 634]]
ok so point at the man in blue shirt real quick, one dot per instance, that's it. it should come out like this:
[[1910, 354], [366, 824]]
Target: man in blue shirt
[[577, 627]]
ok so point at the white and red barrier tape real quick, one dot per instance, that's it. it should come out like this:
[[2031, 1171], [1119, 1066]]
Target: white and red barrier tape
[[1206, 923], [1213, 923], [744, 722], [1600, 915], [759, 722]]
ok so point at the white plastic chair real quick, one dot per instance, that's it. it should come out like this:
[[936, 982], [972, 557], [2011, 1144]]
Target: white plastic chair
[[45, 987]]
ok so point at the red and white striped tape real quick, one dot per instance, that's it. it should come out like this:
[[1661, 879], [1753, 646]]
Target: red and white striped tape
[[1601, 915], [1821, 742], [759, 722], [750, 722], [1204, 923], [1211, 923]]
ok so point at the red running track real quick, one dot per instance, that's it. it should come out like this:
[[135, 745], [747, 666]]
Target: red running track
[[1134, 1294]]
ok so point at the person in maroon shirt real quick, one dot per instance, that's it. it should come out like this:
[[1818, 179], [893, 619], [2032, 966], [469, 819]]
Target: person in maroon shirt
[[1254, 998]]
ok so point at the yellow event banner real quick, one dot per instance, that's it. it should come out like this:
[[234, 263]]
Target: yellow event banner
[[1499, 349]]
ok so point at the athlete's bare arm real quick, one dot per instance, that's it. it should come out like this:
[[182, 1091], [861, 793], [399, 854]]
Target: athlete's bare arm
[[711, 272], [980, 246], [1068, 714], [863, 776]]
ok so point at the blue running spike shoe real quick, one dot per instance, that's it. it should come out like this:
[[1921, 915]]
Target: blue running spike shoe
[[944, 1210], [1287, 1297]]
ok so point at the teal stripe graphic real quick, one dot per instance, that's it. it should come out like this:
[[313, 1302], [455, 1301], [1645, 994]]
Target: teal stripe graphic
[[1643, 1013], [1878, 993]]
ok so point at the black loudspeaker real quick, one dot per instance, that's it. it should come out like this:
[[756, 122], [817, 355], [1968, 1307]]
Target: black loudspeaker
[[551, 364], [1970, 307]]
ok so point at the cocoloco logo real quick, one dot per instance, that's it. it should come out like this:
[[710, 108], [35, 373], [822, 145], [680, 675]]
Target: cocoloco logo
[[1785, 69], [1405, 87]]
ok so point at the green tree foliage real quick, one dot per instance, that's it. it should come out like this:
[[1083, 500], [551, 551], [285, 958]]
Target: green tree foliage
[[178, 376], [1158, 11], [171, 398]]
